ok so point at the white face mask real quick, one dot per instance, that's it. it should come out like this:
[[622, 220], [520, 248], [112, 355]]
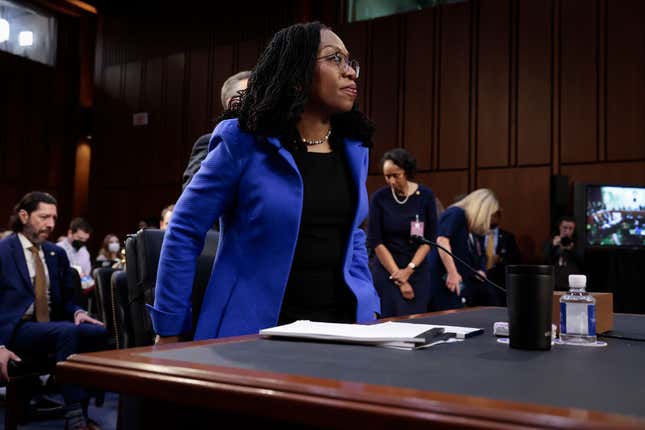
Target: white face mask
[[114, 247]]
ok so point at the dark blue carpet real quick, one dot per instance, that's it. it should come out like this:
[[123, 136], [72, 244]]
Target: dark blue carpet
[[105, 415]]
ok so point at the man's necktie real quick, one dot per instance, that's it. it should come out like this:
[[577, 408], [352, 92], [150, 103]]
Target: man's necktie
[[490, 250], [40, 288]]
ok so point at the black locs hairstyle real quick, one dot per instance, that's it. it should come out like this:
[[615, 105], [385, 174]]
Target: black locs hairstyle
[[278, 89]]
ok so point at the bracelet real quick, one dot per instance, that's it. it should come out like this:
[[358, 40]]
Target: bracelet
[[3, 347], [412, 266]]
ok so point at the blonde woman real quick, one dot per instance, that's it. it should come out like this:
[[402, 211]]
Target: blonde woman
[[460, 230]]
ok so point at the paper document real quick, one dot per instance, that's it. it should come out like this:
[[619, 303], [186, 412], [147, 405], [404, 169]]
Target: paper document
[[409, 346], [393, 334]]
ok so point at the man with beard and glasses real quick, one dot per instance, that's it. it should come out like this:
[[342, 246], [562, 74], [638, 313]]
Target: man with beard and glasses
[[38, 315]]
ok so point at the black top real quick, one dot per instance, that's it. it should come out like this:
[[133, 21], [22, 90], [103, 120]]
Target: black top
[[316, 289]]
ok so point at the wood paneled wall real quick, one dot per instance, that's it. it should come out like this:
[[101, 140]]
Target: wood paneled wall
[[39, 125], [503, 94], [172, 65], [487, 93]]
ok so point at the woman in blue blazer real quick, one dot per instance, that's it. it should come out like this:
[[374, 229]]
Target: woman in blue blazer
[[286, 178]]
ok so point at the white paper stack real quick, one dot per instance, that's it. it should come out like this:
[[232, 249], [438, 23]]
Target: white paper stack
[[388, 334]]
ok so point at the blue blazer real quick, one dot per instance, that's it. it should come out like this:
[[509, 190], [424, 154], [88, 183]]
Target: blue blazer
[[17, 290], [254, 187]]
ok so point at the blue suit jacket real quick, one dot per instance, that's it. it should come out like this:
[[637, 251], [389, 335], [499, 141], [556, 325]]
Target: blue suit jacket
[[17, 290], [256, 190]]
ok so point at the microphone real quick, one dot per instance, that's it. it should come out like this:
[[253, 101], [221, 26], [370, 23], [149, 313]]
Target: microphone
[[421, 239]]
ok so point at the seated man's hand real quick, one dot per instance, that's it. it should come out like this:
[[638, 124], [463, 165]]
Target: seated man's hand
[[84, 317], [481, 275], [5, 356]]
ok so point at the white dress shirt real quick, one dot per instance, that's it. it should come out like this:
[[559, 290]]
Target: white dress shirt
[[80, 258]]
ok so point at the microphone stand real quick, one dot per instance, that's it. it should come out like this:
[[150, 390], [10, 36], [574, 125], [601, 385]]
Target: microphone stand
[[421, 239]]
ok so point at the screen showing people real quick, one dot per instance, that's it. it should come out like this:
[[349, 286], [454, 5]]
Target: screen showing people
[[615, 216]]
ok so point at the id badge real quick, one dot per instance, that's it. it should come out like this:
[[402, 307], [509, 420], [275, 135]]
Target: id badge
[[416, 228]]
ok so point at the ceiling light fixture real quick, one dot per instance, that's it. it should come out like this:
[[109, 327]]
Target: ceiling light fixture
[[25, 38], [4, 30]]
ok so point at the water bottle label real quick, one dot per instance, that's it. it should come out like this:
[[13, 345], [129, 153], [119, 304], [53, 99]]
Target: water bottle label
[[591, 316], [577, 319]]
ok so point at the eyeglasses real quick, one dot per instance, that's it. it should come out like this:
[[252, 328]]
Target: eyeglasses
[[342, 62]]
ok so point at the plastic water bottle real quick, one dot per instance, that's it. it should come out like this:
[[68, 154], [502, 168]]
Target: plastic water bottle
[[577, 313]]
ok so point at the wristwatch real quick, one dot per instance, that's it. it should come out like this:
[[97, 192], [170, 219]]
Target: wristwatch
[[412, 266]]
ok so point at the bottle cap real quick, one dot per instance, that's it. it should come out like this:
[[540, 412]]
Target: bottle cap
[[578, 281]]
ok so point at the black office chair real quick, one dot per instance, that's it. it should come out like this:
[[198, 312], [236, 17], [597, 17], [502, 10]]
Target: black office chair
[[104, 308], [24, 383], [142, 261], [101, 277], [121, 320]]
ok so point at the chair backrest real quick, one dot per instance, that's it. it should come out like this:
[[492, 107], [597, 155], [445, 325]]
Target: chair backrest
[[103, 307], [121, 320], [142, 257], [142, 252], [79, 297]]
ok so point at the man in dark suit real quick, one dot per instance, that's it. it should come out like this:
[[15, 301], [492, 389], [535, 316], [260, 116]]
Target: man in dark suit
[[37, 313], [230, 88], [561, 253], [501, 251]]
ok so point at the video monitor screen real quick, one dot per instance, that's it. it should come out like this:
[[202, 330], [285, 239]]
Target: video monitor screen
[[615, 216]]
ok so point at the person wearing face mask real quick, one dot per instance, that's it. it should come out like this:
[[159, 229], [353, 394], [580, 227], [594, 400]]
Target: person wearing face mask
[[74, 245], [398, 211], [109, 252]]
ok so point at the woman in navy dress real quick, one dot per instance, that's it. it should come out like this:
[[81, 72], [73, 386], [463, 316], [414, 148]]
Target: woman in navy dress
[[460, 230], [397, 211]]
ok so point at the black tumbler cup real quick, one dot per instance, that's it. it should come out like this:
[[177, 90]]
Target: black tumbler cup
[[529, 297]]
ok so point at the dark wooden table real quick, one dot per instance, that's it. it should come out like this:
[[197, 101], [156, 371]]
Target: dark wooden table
[[169, 392]]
